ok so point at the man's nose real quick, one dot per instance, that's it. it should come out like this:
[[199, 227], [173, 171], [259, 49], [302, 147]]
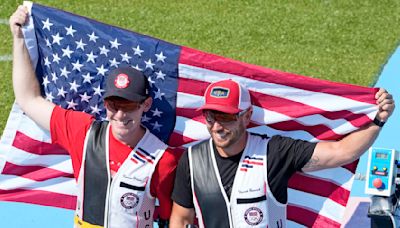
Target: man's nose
[[119, 114], [216, 126]]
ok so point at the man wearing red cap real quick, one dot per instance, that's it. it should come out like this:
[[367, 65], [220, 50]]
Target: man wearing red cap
[[120, 167], [209, 183]]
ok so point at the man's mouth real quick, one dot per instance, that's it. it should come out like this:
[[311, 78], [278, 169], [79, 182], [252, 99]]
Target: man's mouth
[[220, 135], [123, 122], [126, 122]]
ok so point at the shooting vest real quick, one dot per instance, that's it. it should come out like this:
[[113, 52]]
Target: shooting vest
[[251, 203], [124, 200]]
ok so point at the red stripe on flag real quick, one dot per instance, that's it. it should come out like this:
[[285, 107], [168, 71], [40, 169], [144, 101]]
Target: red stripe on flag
[[296, 109], [309, 218], [319, 187], [319, 131], [191, 114], [192, 86], [36, 173], [351, 166], [39, 197], [176, 139], [218, 63], [24, 142], [279, 105]]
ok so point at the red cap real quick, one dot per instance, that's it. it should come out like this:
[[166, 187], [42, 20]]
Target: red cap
[[226, 96]]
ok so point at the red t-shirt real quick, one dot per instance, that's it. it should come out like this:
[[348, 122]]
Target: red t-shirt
[[69, 128]]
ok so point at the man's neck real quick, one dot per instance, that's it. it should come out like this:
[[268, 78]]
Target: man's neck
[[233, 149], [133, 139]]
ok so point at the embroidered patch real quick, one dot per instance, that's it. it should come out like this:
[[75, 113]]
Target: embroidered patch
[[142, 156], [129, 200], [249, 163], [253, 216], [219, 92], [122, 81]]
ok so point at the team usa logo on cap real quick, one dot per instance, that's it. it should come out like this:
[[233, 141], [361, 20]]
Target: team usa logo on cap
[[219, 92], [121, 81]]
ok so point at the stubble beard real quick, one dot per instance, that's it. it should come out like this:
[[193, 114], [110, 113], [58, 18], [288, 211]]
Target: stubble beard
[[230, 139]]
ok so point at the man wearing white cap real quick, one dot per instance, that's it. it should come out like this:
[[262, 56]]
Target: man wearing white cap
[[210, 184]]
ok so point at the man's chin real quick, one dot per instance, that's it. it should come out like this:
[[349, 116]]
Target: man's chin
[[221, 143], [120, 129], [120, 124], [121, 134]]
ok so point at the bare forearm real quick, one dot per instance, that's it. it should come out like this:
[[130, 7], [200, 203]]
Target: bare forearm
[[25, 84], [348, 149], [181, 216], [355, 144], [351, 147]]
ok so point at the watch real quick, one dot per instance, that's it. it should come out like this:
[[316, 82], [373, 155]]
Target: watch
[[378, 122]]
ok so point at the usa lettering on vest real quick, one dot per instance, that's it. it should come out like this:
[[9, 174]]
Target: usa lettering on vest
[[251, 203], [126, 200]]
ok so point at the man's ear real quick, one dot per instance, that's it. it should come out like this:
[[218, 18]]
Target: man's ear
[[248, 115], [147, 104]]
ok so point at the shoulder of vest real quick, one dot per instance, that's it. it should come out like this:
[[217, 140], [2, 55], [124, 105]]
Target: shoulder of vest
[[201, 143], [97, 125], [263, 136], [97, 132], [200, 146]]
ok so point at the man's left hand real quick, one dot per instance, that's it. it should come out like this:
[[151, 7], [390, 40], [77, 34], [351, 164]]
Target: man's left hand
[[386, 104]]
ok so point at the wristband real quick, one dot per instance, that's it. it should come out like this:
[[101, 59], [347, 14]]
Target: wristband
[[378, 122]]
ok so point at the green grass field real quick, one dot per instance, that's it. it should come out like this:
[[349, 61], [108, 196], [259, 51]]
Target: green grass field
[[344, 41]]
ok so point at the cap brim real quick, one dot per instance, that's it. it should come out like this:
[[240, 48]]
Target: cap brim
[[134, 98], [219, 108]]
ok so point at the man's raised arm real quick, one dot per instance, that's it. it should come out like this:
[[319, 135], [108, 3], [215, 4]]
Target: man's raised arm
[[25, 84], [351, 147]]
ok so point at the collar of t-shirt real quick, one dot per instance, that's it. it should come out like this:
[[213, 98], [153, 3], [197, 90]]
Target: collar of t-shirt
[[227, 167], [235, 158], [118, 153]]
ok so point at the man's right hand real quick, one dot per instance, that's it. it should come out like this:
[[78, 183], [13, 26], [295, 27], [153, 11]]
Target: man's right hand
[[17, 19]]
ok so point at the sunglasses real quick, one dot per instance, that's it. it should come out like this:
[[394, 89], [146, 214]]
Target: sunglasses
[[222, 117], [126, 106]]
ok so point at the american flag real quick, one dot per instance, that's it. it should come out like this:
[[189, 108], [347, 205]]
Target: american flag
[[74, 55]]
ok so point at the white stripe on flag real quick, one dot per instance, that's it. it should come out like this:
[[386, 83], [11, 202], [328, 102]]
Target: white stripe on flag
[[324, 101], [263, 116], [61, 185], [185, 126], [33, 130], [30, 128], [58, 162], [339, 126], [320, 205], [10, 129], [187, 100], [339, 175], [303, 135]]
